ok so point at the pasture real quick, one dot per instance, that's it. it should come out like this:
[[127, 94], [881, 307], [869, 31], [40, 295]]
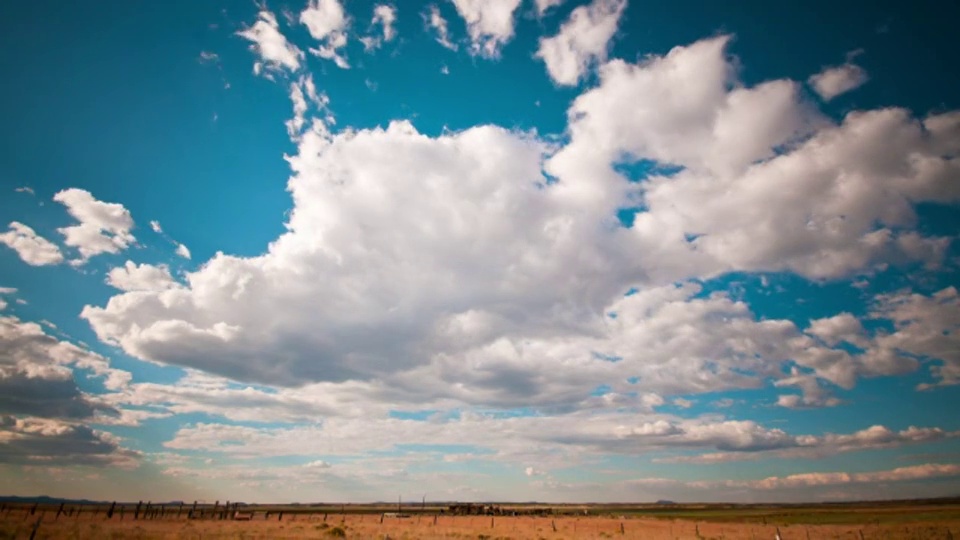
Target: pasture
[[896, 520]]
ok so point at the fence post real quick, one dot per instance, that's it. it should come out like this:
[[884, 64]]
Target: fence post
[[36, 528]]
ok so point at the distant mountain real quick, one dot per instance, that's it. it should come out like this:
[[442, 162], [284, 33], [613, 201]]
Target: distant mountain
[[661, 501], [43, 499]]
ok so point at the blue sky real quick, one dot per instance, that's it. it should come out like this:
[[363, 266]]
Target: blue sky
[[507, 250]]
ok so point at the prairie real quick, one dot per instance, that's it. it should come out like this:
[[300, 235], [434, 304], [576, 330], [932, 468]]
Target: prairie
[[866, 521]]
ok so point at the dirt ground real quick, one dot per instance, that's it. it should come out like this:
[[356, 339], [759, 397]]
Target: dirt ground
[[20, 524]]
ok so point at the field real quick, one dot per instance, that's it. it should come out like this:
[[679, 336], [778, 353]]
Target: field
[[895, 520]]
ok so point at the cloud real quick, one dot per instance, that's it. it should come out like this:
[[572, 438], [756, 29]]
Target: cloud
[[181, 250], [303, 95], [901, 474], [683, 403], [557, 439], [211, 57], [384, 15], [814, 395], [837, 80], [36, 378], [853, 185], [142, 277], [551, 442], [35, 441], [327, 23], [583, 40], [506, 287], [489, 24], [103, 227], [5, 290], [927, 327], [275, 52], [25, 189], [812, 447], [544, 5], [200, 393], [434, 20], [32, 248]]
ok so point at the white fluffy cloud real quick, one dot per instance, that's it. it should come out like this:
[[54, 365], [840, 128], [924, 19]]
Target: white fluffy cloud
[[32, 248], [583, 40], [764, 182], [837, 80], [327, 23], [183, 251], [142, 277], [103, 227], [454, 269], [270, 45], [489, 24], [927, 327]]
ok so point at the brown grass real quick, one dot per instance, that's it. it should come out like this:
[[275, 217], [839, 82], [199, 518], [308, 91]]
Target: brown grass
[[18, 523]]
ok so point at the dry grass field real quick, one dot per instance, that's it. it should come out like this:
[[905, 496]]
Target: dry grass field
[[904, 521]]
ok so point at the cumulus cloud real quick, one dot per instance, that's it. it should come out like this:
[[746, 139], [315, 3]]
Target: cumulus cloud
[[498, 285], [583, 40], [837, 80], [142, 277], [271, 46], [487, 304], [853, 186], [32, 248], [489, 24], [927, 327], [182, 251], [327, 23], [103, 227], [435, 21], [36, 441], [36, 375]]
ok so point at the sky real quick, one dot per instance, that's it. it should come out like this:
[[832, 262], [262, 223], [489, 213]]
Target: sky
[[506, 250]]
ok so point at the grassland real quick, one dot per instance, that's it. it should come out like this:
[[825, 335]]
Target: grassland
[[909, 520]]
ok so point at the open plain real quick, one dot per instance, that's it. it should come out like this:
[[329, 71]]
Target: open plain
[[855, 521]]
